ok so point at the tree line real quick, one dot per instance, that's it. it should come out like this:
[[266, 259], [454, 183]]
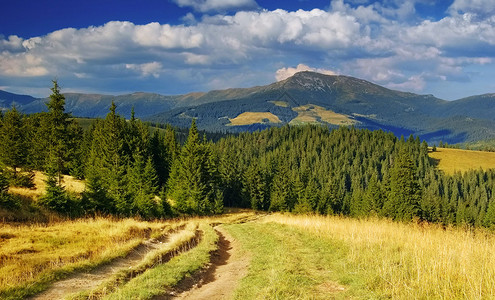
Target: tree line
[[132, 170]]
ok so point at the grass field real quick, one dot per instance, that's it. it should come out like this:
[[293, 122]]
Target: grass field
[[316, 257], [291, 257], [456, 160], [32, 256], [312, 114], [249, 118]]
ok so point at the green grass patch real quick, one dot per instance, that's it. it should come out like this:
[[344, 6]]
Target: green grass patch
[[289, 263], [160, 279]]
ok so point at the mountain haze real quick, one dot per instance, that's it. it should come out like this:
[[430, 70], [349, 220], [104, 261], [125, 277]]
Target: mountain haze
[[306, 97]]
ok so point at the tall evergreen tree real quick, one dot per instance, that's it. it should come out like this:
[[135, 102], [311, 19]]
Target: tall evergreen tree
[[58, 138], [190, 183], [13, 148], [403, 198]]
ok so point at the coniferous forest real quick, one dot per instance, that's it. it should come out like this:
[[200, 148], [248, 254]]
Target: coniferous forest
[[132, 169]]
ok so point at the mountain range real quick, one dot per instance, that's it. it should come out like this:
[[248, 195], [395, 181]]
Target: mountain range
[[306, 97]]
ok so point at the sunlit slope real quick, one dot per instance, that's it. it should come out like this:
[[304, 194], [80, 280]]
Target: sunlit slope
[[453, 160]]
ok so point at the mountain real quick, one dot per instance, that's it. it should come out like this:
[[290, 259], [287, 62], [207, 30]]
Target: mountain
[[8, 99], [306, 97], [310, 97]]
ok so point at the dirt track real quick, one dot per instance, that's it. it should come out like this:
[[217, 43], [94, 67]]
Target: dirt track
[[227, 267], [80, 282]]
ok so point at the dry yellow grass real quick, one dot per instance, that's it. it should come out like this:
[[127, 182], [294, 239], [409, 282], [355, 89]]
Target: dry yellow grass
[[310, 113], [249, 118], [410, 261], [280, 103], [456, 160], [70, 183], [29, 253]]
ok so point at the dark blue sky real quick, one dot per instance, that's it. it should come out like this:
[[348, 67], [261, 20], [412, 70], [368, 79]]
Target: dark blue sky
[[445, 48]]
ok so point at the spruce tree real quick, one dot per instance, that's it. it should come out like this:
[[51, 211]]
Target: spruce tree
[[142, 187], [58, 138], [403, 198], [13, 147], [191, 185]]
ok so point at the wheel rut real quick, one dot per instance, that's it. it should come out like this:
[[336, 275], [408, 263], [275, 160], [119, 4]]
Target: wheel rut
[[219, 280], [86, 281]]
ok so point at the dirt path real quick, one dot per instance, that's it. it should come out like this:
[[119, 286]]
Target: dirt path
[[228, 266], [80, 282]]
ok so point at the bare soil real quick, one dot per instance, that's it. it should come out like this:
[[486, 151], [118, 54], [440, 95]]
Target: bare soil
[[219, 281], [85, 281]]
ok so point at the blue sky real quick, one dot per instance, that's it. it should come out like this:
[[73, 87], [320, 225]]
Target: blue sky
[[444, 48]]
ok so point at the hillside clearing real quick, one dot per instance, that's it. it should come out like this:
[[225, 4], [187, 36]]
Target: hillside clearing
[[314, 114], [70, 183], [457, 160], [249, 118]]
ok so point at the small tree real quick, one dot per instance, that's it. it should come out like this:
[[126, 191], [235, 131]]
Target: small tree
[[56, 197], [6, 200]]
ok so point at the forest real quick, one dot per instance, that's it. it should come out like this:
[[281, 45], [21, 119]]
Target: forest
[[132, 169]]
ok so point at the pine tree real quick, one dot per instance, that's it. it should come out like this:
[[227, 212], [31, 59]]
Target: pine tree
[[282, 196], [142, 187], [403, 198], [489, 219], [13, 148], [58, 139], [56, 197], [191, 185], [7, 200]]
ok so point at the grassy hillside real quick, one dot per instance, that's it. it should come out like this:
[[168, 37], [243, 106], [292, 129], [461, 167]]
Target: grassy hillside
[[315, 257], [456, 160], [290, 257]]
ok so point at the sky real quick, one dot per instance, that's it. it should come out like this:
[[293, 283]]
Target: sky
[[445, 48]]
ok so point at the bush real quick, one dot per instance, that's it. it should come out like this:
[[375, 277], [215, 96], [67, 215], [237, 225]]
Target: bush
[[23, 179], [6, 200]]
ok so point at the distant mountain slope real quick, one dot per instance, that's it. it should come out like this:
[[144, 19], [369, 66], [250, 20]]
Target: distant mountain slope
[[7, 99], [306, 97]]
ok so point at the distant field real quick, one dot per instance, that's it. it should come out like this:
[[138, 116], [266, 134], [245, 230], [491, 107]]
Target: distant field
[[453, 160], [312, 114], [280, 103], [249, 118]]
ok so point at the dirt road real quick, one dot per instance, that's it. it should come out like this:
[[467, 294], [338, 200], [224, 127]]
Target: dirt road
[[85, 281], [228, 266]]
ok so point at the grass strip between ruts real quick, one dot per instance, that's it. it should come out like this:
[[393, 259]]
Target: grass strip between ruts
[[161, 278]]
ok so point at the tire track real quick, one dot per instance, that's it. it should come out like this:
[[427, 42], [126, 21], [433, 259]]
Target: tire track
[[86, 281]]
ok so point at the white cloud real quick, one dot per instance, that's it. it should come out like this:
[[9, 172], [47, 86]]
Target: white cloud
[[285, 73], [217, 5], [367, 41], [414, 83], [22, 65], [480, 7], [147, 69]]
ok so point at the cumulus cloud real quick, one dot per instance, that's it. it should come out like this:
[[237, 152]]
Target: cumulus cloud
[[368, 40], [147, 69], [480, 7], [285, 73], [217, 5]]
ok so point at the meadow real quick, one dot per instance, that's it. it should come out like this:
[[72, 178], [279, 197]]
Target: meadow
[[291, 257], [456, 160], [317, 257]]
